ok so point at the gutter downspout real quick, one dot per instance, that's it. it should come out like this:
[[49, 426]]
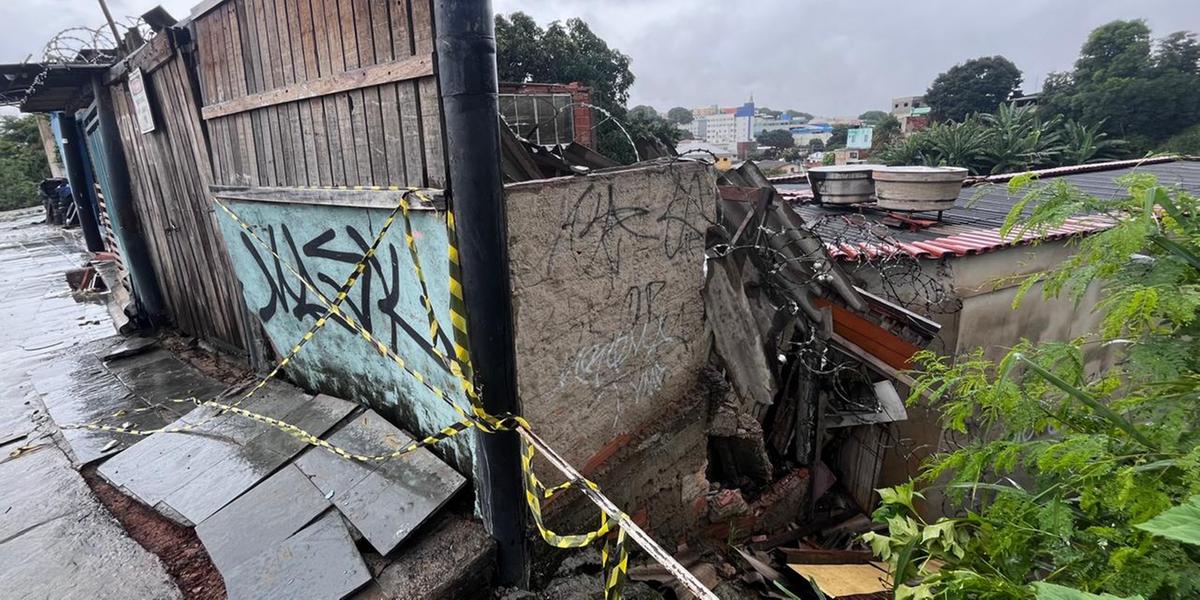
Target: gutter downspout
[[125, 223], [466, 66], [74, 149]]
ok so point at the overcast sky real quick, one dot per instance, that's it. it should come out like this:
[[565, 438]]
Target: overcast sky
[[830, 58]]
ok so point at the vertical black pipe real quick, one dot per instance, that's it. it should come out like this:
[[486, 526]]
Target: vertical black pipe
[[126, 225], [466, 65], [74, 153]]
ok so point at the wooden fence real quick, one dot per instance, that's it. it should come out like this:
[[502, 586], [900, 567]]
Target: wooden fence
[[170, 175], [320, 92], [272, 93]]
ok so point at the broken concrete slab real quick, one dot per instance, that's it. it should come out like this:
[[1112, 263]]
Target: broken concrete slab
[[737, 338], [415, 485], [454, 558], [81, 388], [261, 518], [163, 463], [226, 479], [319, 561]]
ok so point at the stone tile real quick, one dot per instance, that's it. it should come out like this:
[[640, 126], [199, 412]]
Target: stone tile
[[233, 475], [57, 541], [261, 519], [384, 501], [165, 462], [319, 561]]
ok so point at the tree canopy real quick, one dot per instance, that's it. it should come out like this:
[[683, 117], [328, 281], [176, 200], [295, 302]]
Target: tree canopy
[[22, 162], [569, 52], [680, 115], [561, 53], [872, 117], [797, 114], [1067, 482], [838, 139], [976, 86], [643, 110], [776, 138], [1139, 90], [1011, 140]]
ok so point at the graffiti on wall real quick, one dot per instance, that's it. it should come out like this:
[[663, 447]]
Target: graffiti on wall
[[607, 272], [600, 223], [322, 258]]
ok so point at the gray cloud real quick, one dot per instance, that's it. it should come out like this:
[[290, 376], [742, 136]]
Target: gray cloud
[[833, 58], [838, 58]]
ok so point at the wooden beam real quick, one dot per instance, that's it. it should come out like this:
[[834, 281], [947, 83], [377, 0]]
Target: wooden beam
[[402, 70], [362, 197]]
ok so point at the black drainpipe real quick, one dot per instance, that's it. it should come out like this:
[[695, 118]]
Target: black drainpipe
[[126, 225], [74, 153], [466, 67]]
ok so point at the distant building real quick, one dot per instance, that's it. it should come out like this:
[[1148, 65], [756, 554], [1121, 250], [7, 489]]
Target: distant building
[[731, 126], [705, 111], [701, 149], [846, 156], [916, 120], [764, 123], [778, 167], [904, 105], [1028, 101]]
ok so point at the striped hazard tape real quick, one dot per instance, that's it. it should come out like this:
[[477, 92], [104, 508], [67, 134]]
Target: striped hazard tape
[[614, 554], [332, 309]]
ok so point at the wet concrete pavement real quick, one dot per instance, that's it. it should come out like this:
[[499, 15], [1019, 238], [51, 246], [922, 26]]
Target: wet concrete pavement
[[56, 539]]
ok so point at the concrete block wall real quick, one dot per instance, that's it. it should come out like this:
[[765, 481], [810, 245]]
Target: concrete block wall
[[607, 275]]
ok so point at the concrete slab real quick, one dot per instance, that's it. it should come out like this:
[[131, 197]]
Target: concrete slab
[[260, 519], [82, 388], [384, 501], [57, 541], [159, 465], [319, 561], [225, 480], [453, 558]]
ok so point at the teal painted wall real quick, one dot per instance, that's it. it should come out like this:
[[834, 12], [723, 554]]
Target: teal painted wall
[[324, 243]]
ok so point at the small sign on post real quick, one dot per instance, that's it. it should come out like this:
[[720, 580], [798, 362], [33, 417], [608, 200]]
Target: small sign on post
[[141, 101]]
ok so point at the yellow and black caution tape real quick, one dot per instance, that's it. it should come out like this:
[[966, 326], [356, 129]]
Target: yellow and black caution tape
[[333, 308], [458, 306], [614, 568]]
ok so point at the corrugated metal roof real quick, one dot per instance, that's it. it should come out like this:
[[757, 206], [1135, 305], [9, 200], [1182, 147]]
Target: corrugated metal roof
[[973, 225]]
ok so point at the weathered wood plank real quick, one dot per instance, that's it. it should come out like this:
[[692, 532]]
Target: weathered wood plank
[[410, 125], [428, 98], [431, 129], [370, 198], [154, 54], [407, 69], [319, 134], [393, 140], [358, 170]]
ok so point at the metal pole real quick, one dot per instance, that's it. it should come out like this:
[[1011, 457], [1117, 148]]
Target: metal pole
[[466, 66], [126, 225], [74, 153], [111, 24]]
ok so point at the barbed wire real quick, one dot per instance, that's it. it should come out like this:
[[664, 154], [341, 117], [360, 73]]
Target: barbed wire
[[79, 45]]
